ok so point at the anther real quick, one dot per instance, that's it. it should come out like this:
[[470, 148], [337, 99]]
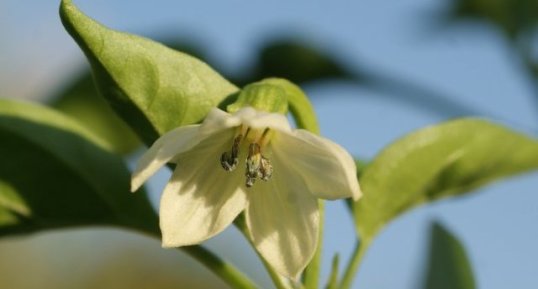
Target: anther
[[253, 164], [266, 169], [228, 160]]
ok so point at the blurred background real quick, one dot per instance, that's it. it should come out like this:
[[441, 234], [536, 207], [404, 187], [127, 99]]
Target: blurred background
[[375, 70]]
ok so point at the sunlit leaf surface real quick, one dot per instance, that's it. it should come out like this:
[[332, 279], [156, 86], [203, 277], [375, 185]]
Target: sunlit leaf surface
[[152, 87], [444, 160]]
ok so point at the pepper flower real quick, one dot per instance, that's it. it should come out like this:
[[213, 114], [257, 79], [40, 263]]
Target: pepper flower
[[251, 161]]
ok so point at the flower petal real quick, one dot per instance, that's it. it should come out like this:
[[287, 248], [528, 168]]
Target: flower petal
[[201, 199], [328, 169], [162, 151], [261, 119], [217, 120], [283, 222], [178, 141]]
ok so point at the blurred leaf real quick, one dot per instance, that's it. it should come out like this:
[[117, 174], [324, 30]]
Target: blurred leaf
[[297, 62], [444, 160], [448, 266], [513, 17], [302, 62], [152, 87], [55, 173], [81, 100]]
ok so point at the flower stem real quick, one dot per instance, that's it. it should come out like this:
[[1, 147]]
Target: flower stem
[[275, 277], [224, 270], [354, 263], [311, 273]]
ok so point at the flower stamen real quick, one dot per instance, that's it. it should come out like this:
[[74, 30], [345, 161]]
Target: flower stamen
[[264, 139], [257, 165], [229, 160], [254, 160], [266, 169]]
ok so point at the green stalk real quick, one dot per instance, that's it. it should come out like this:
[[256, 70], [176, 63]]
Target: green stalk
[[312, 271], [224, 270], [227, 272], [354, 263]]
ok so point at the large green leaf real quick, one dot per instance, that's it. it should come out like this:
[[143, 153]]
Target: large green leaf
[[55, 173], [152, 87], [444, 160], [448, 266]]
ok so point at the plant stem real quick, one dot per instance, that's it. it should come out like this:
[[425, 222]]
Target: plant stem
[[354, 263], [311, 273], [227, 272], [224, 270], [275, 277]]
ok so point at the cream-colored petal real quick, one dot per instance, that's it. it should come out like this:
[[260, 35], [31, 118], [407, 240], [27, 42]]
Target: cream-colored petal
[[217, 120], [201, 199], [283, 222], [178, 141], [162, 151], [260, 119], [328, 169]]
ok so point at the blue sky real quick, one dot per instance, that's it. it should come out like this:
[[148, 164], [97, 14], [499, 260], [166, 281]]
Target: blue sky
[[473, 66]]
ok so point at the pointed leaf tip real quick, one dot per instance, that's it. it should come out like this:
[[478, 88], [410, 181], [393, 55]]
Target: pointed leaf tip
[[448, 265], [152, 87]]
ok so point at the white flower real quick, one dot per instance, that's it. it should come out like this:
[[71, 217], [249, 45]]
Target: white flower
[[252, 161]]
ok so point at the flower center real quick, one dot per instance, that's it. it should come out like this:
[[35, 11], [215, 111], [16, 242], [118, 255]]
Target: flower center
[[257, 165]]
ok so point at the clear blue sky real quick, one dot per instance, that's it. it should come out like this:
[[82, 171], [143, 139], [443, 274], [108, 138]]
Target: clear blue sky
[[497, 224]]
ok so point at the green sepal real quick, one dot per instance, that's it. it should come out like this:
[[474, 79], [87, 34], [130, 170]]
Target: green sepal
[[299, 105], [262, 95], [278, 95]]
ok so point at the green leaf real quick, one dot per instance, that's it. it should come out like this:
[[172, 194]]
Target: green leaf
[[298, 61], [81, 100], [448, 266], [55, 173], [444, 160], [152, 87], [332, 283]]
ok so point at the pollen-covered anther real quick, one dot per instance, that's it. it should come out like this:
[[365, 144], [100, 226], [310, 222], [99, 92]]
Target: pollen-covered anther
[[229, 160], [266, 169], [253, 164], [258, 166]]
